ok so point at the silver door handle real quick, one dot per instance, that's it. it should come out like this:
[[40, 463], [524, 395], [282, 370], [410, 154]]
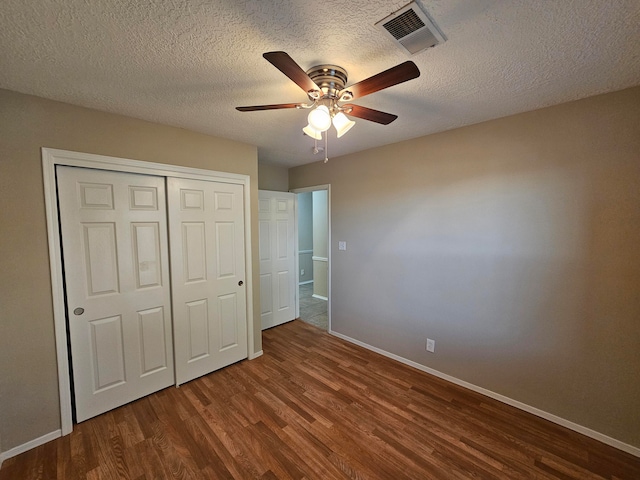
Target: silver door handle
[[78, 311]]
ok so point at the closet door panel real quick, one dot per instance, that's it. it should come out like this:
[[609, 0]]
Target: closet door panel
[[115, 256], [206, 225]]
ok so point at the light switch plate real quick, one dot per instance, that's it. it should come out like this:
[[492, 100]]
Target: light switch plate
[[431, 345], [342, 245]]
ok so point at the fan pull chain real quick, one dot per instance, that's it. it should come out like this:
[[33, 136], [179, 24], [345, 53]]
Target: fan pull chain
[[326, 146]]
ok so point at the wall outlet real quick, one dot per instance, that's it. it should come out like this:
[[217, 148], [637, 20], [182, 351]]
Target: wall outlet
[[302, 272], [431, 345], [342, 245]]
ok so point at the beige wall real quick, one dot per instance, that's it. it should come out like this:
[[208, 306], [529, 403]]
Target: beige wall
[[273, 177], [28, 377], [514, 244]]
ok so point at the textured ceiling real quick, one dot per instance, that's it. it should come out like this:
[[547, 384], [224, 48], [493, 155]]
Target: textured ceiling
[[189, 63]]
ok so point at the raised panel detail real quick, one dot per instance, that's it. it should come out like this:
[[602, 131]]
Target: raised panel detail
[[224, 201], [101, 258], [194, 256], [198, 322], [282, 242], [153, 345], [283, 290], [264, 228], [225, 247], [146, 254], [227, 309], [266, 294], [107, 352], [96, 195], [264, 205], [277, 258], [282, 206], [191, 199], [143, 198]]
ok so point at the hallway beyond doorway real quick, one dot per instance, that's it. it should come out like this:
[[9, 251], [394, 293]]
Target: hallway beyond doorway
[[312, 310]]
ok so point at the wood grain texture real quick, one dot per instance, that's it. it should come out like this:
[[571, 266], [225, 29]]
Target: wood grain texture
[[316, 407]]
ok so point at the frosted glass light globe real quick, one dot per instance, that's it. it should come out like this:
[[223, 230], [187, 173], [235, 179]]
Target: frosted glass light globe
[[342, 123], [312, 132], [320, 119]]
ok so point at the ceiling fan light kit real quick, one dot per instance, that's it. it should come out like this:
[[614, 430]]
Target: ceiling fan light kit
[[312, 132], [320, 119], [325, 88], [342, 123]]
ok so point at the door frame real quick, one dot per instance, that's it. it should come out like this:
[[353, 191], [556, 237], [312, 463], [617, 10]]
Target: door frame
[[315, 188], [50, 159]]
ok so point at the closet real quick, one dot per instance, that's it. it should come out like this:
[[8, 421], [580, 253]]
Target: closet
[[154, 275]]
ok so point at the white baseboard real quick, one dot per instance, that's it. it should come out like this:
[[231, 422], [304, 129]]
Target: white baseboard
[[320, 297], [501, 398], [256, 355], [29, 445]]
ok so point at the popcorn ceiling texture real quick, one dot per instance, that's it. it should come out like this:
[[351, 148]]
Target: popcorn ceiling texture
[[189, 63]]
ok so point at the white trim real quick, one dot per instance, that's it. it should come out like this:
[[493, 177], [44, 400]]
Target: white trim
[[305, 252], [305, 283], [255, 355], [57, 289], [36, 442], [319, 259], [501, 398], [320, 297], [52, 157]]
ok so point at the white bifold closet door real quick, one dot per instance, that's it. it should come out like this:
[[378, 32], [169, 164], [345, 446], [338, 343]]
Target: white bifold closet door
[[116, 265], [278, 281], [207, 264], [120, 232]]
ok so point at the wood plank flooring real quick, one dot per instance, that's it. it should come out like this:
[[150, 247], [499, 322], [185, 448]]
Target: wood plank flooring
[[316, 407]]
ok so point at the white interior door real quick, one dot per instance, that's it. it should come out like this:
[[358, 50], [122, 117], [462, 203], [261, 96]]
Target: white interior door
[[206, 224], [276, 217], [114, 240]]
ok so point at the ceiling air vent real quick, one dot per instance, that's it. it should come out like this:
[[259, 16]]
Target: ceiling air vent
[[411, 29]]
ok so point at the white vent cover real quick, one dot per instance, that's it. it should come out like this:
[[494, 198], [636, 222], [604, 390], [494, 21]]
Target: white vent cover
[[411, 29]]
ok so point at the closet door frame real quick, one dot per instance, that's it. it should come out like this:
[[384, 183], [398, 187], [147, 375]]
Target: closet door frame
[[53, 157]]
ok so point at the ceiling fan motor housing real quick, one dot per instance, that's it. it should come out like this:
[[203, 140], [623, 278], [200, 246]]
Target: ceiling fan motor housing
[[330, 78]]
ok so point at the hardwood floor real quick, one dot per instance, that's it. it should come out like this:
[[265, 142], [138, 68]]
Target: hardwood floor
[[316, 407]]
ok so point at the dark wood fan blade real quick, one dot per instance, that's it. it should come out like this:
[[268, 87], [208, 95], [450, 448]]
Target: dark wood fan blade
[[395, 75], [283, 62], [369, 114], [277, 106]]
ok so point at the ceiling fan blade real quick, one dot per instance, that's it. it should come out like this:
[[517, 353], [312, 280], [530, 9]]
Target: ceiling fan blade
[[369, 114], [395, 75], [277, 106], [283, 62]]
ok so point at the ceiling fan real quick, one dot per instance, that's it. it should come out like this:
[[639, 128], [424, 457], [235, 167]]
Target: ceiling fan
[[325, 87]]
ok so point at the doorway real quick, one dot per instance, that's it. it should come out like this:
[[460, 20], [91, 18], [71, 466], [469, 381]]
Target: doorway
[[313, 255]]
